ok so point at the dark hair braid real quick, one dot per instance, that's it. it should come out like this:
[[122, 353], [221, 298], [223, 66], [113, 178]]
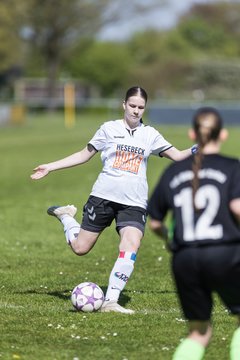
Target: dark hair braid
[[207, 124]]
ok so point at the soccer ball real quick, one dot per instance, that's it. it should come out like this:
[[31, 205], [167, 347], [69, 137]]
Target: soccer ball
[[87, 297]]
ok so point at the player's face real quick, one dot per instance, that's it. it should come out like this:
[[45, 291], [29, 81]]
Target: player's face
[[134, 108]]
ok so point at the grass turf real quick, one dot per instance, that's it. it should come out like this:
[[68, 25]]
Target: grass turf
[[38, 270]]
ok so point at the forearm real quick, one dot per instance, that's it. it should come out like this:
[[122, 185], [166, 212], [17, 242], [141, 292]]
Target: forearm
[[69, 161], [75, 159], [183, 154], [177, 155]]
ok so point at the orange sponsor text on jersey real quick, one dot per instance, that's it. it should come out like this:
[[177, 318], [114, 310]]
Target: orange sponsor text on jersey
[[127, 161]]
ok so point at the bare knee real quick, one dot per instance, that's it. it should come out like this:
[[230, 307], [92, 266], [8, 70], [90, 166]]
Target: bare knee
[[84, 242], [78, 249]]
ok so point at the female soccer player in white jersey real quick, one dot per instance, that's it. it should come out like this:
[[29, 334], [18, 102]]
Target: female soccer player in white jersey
[[120, 191], [203, 193]]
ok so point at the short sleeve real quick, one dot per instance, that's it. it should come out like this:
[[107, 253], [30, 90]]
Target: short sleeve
[[160, 144], [158, 205], [99, 140], [235, 182]]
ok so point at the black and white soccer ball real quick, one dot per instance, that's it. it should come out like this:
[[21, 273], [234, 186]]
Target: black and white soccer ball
[[87, 297]]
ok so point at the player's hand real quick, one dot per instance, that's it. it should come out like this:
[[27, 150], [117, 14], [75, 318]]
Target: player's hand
[[164, 232], [40, 171]]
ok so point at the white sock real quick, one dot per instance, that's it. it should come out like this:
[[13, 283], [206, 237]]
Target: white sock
[[120, 274], [71, 227]]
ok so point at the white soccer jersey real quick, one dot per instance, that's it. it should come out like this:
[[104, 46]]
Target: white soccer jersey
[[124, 154]]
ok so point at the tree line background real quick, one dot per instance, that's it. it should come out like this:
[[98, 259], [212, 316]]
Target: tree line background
[[52, 39]]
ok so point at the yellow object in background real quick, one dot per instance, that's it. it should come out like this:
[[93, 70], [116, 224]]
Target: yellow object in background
[[18, 114], [69, 105]]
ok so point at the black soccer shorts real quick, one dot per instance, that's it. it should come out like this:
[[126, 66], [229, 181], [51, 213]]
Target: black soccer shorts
[[200, 271], [99, 213]]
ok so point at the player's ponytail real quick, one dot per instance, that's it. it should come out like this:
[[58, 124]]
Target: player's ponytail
[[207, 124]]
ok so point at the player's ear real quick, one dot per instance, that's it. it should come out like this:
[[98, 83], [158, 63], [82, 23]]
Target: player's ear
[[124, 105], [192, 135], [223, 135]]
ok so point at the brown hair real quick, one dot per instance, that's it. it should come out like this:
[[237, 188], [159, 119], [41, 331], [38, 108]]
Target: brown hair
[[134, 91], [207, 124]]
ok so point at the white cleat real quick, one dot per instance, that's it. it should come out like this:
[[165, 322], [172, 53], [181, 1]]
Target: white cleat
[[113, 306], [58, 211]]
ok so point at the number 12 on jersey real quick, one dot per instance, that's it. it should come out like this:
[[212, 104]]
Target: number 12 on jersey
[[207, 198]]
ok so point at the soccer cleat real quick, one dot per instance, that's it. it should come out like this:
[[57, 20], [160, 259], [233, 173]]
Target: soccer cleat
[[58, 211], [113, 306]]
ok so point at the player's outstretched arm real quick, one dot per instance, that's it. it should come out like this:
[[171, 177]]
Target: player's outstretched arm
[[176, 155], [77, 158]]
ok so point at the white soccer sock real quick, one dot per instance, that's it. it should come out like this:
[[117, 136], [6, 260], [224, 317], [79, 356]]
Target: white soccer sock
[[71, 227], [120, 274]]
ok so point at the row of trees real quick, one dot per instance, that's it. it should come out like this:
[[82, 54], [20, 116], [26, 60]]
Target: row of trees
[[54, 38]]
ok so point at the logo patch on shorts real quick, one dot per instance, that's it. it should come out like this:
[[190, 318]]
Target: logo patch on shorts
[[91, 214]]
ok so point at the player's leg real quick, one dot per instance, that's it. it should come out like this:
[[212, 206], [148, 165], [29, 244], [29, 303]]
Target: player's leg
[[130, 239], [83, 237], [84, 242], [122, 269], [65, 214], [80, 240], [200, 331], [228, 287], [235, 343], [196, 302], [193, 347]]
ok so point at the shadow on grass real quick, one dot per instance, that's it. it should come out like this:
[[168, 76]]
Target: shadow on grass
[[151, 291], [125, 296], [63, 294], [66, 294]]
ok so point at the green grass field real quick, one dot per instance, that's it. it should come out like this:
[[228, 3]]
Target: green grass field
[[38, 270]]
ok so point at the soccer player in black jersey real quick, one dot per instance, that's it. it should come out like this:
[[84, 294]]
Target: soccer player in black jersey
[[203, 194]]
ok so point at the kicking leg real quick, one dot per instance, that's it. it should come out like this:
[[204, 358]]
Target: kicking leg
[[81, 241]]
